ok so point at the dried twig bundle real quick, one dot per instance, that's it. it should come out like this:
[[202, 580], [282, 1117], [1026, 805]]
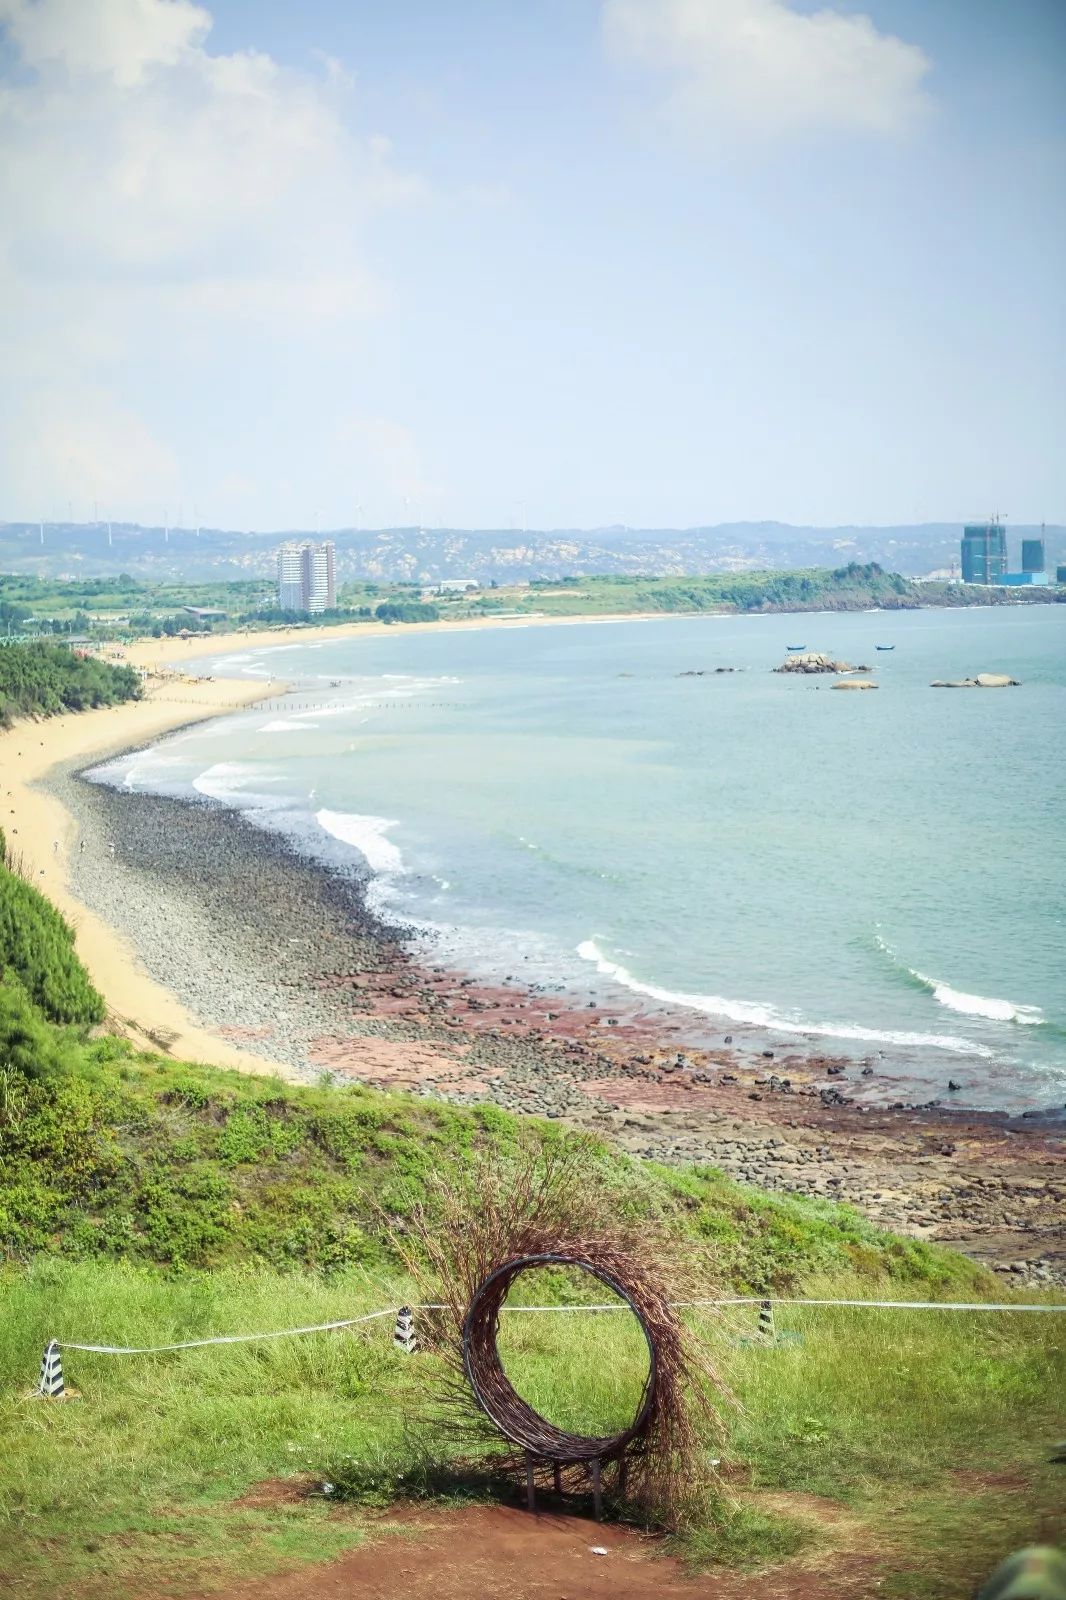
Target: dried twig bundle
[[467, 1247]]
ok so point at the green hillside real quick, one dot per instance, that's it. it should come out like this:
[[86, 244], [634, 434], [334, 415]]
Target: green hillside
[[145, 1201]]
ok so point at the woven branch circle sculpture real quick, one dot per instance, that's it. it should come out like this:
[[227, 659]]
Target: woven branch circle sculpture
[[499, 1399], [554, 1209]]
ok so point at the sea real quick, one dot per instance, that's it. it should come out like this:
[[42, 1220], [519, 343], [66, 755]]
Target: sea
[[600, 809]]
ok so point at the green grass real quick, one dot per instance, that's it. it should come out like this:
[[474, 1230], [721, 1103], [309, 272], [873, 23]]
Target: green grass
[[125, 1157], [135, 1488], [145, 1202]]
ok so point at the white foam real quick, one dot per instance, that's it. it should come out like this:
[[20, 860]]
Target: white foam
[[220, 782], [970, 1005], [764, 1016], [365, 834], [979, 1005], [286, 727], [227, 782], [976, 1005], [145, 768]]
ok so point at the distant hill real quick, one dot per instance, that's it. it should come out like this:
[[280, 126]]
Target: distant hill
[[429, 555]]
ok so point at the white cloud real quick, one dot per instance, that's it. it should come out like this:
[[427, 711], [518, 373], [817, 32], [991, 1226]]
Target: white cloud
[[151, 192], [762, 69], [124, 39], [77, 441]]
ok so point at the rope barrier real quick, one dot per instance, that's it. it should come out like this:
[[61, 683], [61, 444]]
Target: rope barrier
[[222, 1338], [678, 1305]]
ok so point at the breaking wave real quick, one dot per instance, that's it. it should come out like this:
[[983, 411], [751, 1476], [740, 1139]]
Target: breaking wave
[[765, 1016], [365, 834], [969, 1005]]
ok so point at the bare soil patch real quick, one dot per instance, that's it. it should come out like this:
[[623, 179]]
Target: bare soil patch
[[490, 1551]]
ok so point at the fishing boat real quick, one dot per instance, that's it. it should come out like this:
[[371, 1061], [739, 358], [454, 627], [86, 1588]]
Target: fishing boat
[[884, 647], [796, 647]]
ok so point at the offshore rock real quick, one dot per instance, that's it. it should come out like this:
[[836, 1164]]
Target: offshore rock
[[856, 683], [815, 661], [983, 680]]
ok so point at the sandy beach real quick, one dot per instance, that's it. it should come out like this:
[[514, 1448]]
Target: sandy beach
[[41, 830], [166, 653]]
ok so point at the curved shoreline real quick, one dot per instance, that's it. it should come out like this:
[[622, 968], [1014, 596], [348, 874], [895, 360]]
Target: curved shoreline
[[41, 830], [280, 952], [170, 653], [372, 1014]]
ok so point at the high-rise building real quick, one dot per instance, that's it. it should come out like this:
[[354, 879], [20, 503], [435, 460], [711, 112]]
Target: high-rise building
[[319, 589], [306, 577], [984, 552], [290, 579], [1033, 559]]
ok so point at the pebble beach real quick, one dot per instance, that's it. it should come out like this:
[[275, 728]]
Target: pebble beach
[[280, 960]]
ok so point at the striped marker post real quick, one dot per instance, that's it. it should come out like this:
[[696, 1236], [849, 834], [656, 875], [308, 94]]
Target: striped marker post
[[767, 1329], [51, 1386], [404, 1336]]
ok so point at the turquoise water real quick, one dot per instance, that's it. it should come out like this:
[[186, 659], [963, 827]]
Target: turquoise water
[[880, 871]]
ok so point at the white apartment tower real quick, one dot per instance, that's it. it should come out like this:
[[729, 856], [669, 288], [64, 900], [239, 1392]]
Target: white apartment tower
[[305, 577], [290, 582]]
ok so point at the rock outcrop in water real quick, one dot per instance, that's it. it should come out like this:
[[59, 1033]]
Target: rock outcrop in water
[[815, 661], [855, 683], [983, 680]]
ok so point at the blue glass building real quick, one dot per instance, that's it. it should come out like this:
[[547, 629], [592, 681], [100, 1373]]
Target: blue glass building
[[984, 552]]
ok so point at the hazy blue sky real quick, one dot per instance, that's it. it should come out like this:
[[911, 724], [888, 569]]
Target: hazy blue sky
[[532, 262]]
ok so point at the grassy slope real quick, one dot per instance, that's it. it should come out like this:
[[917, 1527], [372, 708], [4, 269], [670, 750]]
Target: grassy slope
[[144, 1201], [137, 1158]]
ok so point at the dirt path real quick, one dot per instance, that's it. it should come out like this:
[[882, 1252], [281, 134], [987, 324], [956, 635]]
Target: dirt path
[[506, 1554]]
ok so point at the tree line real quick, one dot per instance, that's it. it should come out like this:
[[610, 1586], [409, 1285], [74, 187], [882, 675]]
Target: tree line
[[38, 678]]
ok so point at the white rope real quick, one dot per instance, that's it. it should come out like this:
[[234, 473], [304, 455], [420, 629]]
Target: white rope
[[874, 1305], [222, 1338], [677, 1305], [771, 1300]]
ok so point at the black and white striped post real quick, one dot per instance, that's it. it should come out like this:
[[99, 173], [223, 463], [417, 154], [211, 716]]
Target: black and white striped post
[[50, 1386], [404, 1336], [767, 1329]]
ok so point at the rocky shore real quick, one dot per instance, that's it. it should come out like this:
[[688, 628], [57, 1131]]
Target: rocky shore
[[281, 955]]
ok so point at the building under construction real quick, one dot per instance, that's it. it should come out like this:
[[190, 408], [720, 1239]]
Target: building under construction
[[984, 552]]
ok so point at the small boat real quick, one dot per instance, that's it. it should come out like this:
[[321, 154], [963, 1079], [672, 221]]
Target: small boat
[[796, 647], [884, 647]]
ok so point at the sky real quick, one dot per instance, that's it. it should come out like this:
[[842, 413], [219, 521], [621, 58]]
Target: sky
[[532, 263]]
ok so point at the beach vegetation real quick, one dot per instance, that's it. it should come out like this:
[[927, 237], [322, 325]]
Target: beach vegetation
[[406, 611], [39, 678], [37, 960]]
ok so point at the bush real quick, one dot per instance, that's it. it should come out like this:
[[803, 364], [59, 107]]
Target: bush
[[41, 679], [37, 949]]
